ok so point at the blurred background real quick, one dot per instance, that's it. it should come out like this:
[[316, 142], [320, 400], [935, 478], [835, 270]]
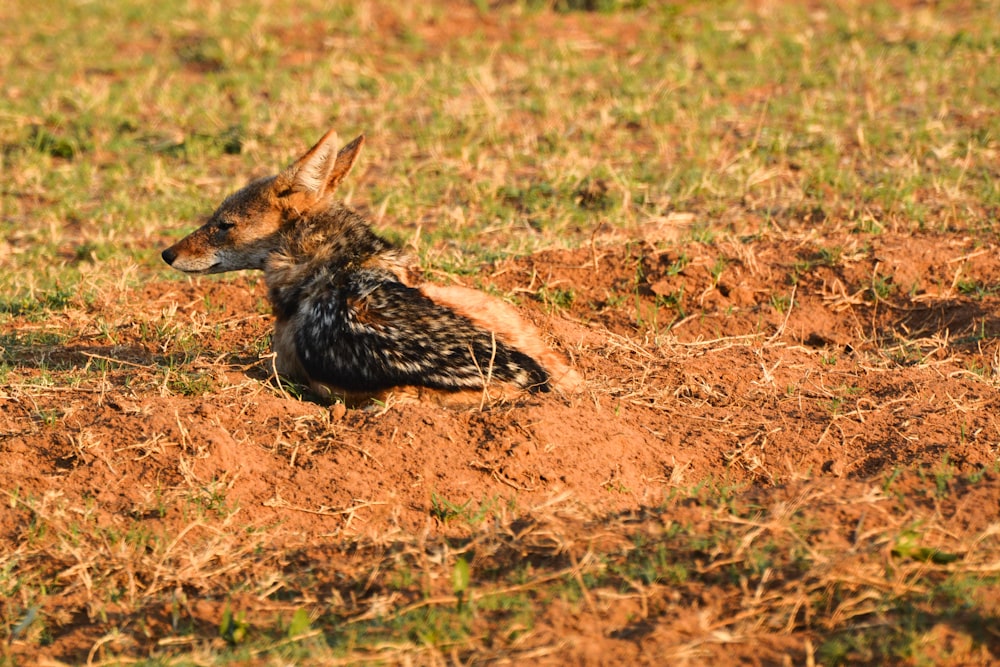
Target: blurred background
[[494, 128]]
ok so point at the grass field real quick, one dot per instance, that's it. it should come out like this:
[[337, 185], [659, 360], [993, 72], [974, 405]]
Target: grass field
[[765, 233]]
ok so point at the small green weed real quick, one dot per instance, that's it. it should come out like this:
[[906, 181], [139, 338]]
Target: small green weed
[[469, 512], [678, 265], [780, 302], [233, 627], [881, 287], [556, 299]]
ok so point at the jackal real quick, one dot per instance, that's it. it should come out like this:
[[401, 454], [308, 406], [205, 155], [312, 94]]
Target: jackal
[[350, 320]]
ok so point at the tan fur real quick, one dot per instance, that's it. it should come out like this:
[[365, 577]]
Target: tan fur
[[497, 316]]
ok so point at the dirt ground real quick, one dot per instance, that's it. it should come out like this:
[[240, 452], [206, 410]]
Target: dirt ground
[[833, 382], [791, 368], [786, 450]]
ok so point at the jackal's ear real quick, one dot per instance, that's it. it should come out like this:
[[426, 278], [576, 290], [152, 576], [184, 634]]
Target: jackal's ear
[[320, 170]]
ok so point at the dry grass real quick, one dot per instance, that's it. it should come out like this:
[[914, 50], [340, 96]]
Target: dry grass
[[765, 234], [785, 581]]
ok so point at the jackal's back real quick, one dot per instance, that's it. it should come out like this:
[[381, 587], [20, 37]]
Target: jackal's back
[[364, 330]]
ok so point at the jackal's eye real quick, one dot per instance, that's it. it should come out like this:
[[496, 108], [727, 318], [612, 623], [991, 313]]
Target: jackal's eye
[[225, 225]]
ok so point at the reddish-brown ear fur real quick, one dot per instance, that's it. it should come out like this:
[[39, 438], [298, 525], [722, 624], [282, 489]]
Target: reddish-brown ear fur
[[346, 158], [319, 171]]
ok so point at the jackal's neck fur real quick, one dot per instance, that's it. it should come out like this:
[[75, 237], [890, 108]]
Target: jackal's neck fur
[[325, 247]]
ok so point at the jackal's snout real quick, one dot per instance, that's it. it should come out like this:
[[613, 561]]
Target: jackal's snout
[[169, 255], [193, 255]]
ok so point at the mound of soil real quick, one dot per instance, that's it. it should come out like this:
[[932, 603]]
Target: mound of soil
[[765, 364]]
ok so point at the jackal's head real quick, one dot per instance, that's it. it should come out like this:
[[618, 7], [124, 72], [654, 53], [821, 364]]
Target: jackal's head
[[249, 224]]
